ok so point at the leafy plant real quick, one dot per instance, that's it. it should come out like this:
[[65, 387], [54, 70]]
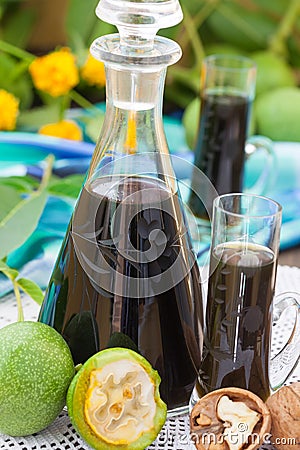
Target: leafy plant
[[23, 201]]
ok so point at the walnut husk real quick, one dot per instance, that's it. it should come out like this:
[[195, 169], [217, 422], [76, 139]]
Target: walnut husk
[[207, 406], [284, 406]]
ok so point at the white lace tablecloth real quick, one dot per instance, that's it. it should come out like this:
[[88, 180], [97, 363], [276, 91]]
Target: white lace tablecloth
[[174, 435]]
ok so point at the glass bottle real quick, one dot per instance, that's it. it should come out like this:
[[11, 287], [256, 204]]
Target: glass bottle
[[126, 274]]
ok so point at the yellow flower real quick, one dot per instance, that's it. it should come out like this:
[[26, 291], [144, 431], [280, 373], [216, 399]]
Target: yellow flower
[[93, 72], [66, 129], [9, 110], [55, 73]]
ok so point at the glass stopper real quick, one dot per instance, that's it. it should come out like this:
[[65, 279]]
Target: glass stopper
[[138, 21]]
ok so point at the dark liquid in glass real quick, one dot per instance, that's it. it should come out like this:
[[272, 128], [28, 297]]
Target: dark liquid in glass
[[163, 322], [220, 148], [238, 319]]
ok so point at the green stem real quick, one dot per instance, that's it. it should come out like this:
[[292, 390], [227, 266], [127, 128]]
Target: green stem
[[207, 9], [194, 38], [64, 105], [16, 51], [47, 173], [19, 301], [285, 28], [22, 67], [80, 100], [241, 24]]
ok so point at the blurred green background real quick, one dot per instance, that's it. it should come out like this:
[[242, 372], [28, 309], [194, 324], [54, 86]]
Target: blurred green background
[[267, 31]]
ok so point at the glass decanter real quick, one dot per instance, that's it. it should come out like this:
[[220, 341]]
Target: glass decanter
[[126, 274]]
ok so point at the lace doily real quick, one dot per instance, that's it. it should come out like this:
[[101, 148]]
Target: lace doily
[[60, 435]]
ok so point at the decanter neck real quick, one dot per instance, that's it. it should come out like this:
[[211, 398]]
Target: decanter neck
[[134, 90], [132, 134]]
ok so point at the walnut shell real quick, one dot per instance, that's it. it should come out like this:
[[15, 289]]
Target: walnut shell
[[284, 406], [207, 407]]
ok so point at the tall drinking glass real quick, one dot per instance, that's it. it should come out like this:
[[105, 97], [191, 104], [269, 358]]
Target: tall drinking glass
[[227, 89], [243, 265]]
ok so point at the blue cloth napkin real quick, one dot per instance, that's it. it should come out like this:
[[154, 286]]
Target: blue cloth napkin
[[22, 153]]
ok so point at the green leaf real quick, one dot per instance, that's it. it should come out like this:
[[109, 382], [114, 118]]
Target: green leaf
[[9, 199], [37, 117], [7, 271], [178, 94], [67, 187], [22, 220], [22, 89], [93, 126], [171, 33], [14, 80], [18, 28], [78, 46], [8, 63], [31, 289], [100, 29], [80, 18], [194, 6], [188, 77], [273, 8], [190, 121], [233, 24], [19, 184], [48, 100]]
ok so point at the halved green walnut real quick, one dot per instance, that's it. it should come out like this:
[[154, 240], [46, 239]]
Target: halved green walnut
[[114, 401]]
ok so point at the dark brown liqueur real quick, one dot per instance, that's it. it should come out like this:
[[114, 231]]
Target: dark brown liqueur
[[84, 301], [220, 147], [238, 319]]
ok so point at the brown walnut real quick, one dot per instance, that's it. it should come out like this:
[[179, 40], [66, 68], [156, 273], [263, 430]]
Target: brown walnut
[[214, 435], [284, 406]]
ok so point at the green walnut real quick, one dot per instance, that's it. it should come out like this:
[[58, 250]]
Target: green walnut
[[114, 401], [36, 368]]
